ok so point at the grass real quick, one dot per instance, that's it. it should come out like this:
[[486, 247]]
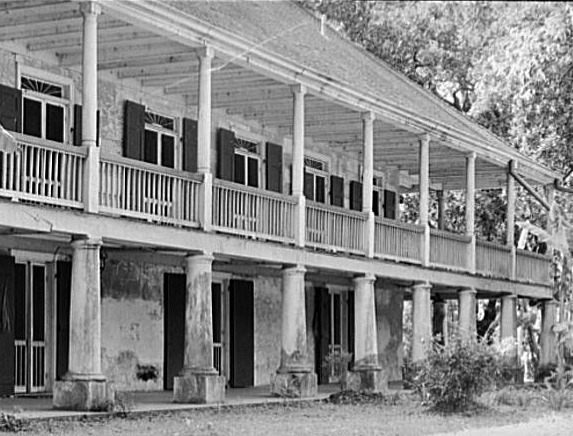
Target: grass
[[345, 413]]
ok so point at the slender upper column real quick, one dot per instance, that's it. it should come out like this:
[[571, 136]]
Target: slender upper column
[[467, 313], [198, 357], [293, 347], [85, 311], [368, 160], [424, 185], [298, 141], [90, 11], [470, 209], [365, 340], [204, 112], [510, 219], [441, 210], [421, 320]]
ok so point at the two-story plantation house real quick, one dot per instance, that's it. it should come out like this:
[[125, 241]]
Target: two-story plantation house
[[205, 195]]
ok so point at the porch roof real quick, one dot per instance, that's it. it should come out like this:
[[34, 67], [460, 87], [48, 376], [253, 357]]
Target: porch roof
[[261, 48]]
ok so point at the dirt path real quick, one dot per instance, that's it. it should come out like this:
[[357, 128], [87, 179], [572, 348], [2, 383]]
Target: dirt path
[[551, 425]]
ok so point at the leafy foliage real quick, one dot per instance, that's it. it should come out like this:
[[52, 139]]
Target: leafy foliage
[[453, 376]]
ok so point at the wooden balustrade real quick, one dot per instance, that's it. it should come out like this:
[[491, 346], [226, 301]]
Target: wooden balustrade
[[493, 259], [140, 190], [335, 228], [532, 267], [253, 212], [397, 240], [449, 249], [43, 172]]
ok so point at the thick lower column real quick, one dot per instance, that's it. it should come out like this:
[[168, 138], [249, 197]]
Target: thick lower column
[[84, 387], [294, 377], [508, 321], [198, 381], [366, 375], [421, 321], [547, 339], [467, 313]]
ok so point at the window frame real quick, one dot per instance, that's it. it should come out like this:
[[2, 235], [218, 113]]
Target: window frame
[[258, 156], [64, 102], [315, 172], [161, 132]]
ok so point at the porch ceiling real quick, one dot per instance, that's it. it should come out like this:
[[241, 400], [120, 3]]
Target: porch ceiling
[[53, 30]]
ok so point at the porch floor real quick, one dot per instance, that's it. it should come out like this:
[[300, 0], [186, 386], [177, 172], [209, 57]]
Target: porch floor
[[40, 406]]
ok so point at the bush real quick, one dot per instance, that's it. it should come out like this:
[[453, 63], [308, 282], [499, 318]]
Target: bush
[[452, 377]]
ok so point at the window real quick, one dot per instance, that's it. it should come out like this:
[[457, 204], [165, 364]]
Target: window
[[246, 162], [44, 108], [315, 176], [159, 143]]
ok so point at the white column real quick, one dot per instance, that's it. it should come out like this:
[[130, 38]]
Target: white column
[[470, 210], [198, 355], [441, 209], [365, 339], [204, 112], [204, 137], [298, 162], [510, 220], [508, 323], [421, 320], [90, 11], [294, 357], [85, 312], [367, 180], [467, 313], [424, 185]]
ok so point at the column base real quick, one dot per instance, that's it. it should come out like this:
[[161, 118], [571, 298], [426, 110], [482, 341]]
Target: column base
[[85, 395], [366, 380], [199, 388], [294, 384]]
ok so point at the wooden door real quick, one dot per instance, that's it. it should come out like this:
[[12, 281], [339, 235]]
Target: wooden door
[[7, 316], [242, 334], [174, 327], [321, 333]]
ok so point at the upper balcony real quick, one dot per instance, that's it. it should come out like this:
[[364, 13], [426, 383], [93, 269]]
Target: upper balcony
[[46, 173]]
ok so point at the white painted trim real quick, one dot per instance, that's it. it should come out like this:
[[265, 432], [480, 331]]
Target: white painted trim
[[35, 257]]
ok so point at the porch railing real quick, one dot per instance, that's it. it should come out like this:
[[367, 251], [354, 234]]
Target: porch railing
[[334, 228], [253, 212], [532, 267], [448, 249], [396, 239], [493, 259], [140, 190], [43, 172]]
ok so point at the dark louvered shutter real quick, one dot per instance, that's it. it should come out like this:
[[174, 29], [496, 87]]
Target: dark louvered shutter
[[309, 186], [389, 204], [376, 203], [190, 145], [7, 325], [225, 154], [337, 191], [133, 130], [355, 195], [11, 108], [320, 189], [274, 167]]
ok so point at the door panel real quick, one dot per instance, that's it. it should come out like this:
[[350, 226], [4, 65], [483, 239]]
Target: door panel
[[7, 315], [321, 333], [242, 346], [174, 327]]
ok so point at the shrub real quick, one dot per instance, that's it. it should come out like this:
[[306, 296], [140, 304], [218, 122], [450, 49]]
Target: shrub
[[452, 377]]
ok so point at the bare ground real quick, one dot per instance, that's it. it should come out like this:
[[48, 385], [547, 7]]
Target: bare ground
[[396, 416]]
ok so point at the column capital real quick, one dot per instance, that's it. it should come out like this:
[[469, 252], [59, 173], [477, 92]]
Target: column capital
[[298, 89], [422, 285], [199, 258], [368, 116], [550, 303], [294, 270], [467, 291], [368, 278], [471, 155], [90, 8], [86, 242], [205, 52], [425, 137], [509, 297]]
